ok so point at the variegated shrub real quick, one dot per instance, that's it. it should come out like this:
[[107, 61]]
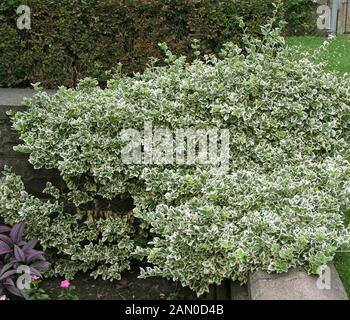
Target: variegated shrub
[[280, 205]]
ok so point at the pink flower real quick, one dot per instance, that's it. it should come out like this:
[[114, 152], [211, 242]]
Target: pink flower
[[65, 284], [34, 277], [3, 298]]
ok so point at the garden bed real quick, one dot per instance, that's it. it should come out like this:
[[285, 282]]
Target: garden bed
[[130, 287], [279, 205]]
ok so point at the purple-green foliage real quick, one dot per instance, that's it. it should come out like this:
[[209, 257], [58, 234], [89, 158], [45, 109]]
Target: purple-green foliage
[[16, 252]]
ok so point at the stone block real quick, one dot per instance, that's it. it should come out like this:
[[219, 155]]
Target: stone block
[[296, 284]]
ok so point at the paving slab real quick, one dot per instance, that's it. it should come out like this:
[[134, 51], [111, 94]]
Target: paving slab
[[12, 99], [14, 96], [296, 284]]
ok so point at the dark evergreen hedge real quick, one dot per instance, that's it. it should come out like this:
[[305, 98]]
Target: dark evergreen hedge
[[71, 39]]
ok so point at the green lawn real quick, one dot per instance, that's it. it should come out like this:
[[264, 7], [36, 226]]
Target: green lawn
[[337, 58], [342, 262]]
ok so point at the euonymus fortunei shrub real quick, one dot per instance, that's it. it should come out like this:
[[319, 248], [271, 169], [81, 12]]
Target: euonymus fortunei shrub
[[279, 205], [72, 242]]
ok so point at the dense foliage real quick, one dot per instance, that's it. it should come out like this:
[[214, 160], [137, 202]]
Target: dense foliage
[[279, 205], [301, 15], [72, 242], [72, 39]]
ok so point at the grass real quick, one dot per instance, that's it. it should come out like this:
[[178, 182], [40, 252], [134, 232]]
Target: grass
[[342, 262], [336, 58]]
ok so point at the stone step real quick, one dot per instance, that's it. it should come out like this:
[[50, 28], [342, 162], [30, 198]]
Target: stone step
[[12, 98], [296, 284]]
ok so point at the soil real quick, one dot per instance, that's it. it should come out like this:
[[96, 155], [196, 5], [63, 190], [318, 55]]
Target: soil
[[129, 288]]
